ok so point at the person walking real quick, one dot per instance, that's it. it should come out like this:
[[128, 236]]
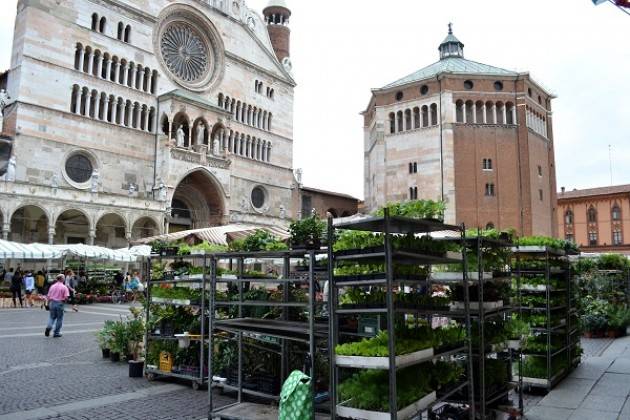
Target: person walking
[[57, 295], [69, 281], [8, 276], [40, 282], [16, 288], [29, 286]]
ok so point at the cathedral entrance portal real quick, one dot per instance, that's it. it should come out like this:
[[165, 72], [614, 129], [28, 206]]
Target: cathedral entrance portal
[[197, 203]]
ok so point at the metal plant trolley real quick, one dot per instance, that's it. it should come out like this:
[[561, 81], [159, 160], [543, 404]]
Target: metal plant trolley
[[560, 329], [483, 247], [192, 281], [279, 331], [390, 227]]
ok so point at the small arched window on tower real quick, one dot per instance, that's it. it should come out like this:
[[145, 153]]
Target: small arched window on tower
[[568, 217], [434, 114], [616, 213], [399, 121], [94, 21], [127, 33], [102, 24], [392, 123], [408, 119], [591, 215], [459, 111]]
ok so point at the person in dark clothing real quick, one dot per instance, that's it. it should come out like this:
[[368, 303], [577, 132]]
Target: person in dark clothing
[[16, 288], [119, 279]]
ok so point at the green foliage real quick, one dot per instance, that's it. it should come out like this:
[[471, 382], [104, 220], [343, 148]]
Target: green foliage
[[517, 328], [180, 293], [104, 336], [417, 209], [359, 240], [536, 367], [261, 240], [369, 389], [378, 346], [553, 243], [612, 262], [307, 232]]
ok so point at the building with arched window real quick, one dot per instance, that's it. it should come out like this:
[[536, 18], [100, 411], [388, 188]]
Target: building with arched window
[[132, 128], [597, 219], [481, 137]]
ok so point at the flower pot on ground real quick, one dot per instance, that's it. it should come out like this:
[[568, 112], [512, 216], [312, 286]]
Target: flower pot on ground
[[114, 357], [106, 353], [136, 368]]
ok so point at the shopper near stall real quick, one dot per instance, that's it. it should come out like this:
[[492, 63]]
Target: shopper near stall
[[8, 276], [56, 298], [40, 282], [69, 280], [119, 280], [16, 288], [29, 286]]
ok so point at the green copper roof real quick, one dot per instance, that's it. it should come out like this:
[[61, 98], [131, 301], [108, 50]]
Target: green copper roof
[[457, 65], [451, 38]]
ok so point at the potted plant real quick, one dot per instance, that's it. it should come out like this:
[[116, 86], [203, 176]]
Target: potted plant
[[104, 338], [118, 344], [135, 336], [307, 233]]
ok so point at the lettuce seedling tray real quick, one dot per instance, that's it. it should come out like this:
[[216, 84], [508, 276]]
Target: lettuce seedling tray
[[344, 410], [364, 362]]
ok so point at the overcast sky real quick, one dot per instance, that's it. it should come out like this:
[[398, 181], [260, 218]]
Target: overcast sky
[[342, 49]]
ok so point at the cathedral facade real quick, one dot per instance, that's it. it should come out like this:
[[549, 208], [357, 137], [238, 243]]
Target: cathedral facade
[[476, 136], [131, 118]]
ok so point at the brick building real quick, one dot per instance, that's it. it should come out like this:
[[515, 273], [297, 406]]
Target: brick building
[[131, 118], [324, 202], [477, 136], [597, 219]]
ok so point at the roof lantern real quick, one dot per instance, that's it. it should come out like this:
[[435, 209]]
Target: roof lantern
[[451, 46]]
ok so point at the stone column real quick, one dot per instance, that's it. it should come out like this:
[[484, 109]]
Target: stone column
[[149, 82], [128, 237], [136, 116], [106, 108], [99, 67], [514, 114], [485, 117], [97, 106], [494, 114], [504, 114], [81, 58], [114, 111], [125, 73], [117, 72], [91, 236], [144, 123], [90, 62], [6, 228], [134, 70], [474, 112], [88, 104], [141, 87], [108, 69], [51, 235], [465, 113]]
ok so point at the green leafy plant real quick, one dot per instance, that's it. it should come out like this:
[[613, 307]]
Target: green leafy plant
[[418, 209], [307, 232], [260, 240], [378, 346], [104, 336]]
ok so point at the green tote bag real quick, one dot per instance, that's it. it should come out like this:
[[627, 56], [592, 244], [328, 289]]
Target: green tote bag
[[296, 398]]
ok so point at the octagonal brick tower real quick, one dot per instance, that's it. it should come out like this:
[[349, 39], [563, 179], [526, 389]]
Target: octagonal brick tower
[[277, 16], [477, 136]]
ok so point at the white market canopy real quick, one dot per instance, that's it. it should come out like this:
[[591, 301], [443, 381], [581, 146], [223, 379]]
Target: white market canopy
[[217, 235], [18, 251]]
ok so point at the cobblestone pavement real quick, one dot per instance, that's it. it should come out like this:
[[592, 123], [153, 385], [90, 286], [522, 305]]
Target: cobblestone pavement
[[66, 378]]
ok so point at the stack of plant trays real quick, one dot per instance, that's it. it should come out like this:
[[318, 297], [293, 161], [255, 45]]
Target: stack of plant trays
[[170, 279], [267, 317], [490, 277], [369, 380], [545, 295]]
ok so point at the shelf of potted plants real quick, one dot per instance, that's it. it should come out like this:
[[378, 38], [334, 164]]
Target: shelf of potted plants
[[380, 265]]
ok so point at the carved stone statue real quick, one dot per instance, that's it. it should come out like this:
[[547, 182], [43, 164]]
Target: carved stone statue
[[132, 188], [162, 191], [4, 101], [216, 148], [201, 134], [94, 181], [180, 136], [10, 175]]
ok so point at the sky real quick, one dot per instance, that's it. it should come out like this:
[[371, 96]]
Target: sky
[[342, 49]]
